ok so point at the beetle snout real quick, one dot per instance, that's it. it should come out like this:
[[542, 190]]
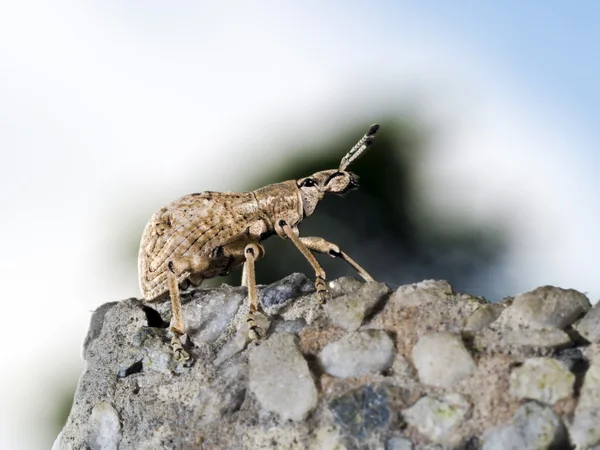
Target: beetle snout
[[353, 184]]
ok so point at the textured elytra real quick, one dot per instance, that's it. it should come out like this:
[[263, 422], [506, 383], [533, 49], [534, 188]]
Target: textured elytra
[[195, 226]]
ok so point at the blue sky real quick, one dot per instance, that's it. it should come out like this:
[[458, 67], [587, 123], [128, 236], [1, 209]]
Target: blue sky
[[553, 47]]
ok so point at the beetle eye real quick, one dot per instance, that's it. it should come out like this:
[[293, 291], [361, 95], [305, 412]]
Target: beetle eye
[[309, 182]]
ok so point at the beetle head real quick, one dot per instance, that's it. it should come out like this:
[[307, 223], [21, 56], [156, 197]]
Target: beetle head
[[313, 188]]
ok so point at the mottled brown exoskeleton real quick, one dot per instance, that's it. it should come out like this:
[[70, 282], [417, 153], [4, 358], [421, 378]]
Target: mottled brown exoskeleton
[[207, 234]]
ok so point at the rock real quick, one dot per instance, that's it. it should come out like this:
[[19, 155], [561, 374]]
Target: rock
[[437, 418], [442, 360], [280, 379], [542, 379], [286, 289], [358, 354], [421, 294], [589, 326], [544, 307], [585, 430], [312, 384], [362, 412], [534, 427], [104, 428], [349, 310]]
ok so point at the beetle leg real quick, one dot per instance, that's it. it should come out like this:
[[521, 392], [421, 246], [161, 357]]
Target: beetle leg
[[320, 286], [252, 252], [317, 244], [177, 321]]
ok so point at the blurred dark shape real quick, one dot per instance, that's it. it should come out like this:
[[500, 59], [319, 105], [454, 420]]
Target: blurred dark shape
[[383, 225]]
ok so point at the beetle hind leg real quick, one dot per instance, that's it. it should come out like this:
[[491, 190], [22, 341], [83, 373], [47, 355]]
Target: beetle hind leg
[[179, 353], [252, 252]]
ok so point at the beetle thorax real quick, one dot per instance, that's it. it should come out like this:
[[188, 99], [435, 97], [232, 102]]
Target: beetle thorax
[[280, 201]]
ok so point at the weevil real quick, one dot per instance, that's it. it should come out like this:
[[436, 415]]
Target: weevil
[[207, 234]]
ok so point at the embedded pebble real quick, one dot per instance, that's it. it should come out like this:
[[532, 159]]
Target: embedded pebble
[[286, 289], [362, 411], [348, 311], [483, 316], [541, 338], [344, 285], [437, 418], [589, 326], [442, 360], [399, 443], [104, 428], [326, 438], [420, 294], [358, 354], [585, 431], [533, 427], [542, 379], [205, 321], [280, 378], [546, 306]]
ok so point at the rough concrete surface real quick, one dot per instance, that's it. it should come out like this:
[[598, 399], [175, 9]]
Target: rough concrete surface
[[422, 367]]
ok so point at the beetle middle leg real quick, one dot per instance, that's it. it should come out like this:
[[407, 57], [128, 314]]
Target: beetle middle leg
[[320, 286], [317, 244], [252, 252]]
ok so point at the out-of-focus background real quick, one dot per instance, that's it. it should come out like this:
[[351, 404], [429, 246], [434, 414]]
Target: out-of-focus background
[[485, 171]]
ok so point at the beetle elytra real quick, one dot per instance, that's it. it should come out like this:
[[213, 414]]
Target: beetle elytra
[[207, 234]]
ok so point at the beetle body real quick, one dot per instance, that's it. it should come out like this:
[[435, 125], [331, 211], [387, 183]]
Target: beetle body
[[206, 225], [208, 234]]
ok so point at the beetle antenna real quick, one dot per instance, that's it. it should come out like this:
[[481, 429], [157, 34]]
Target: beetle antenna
[[364, 143]]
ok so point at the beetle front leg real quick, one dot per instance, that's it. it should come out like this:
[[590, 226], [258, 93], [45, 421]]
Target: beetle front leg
[[317, 244], [320, 286], [252, 252]]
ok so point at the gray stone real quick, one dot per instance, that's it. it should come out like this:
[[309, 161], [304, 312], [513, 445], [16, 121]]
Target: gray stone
[[421, 294], [349, 310], [280, 379], [358, 354], [399, 443], [442, 360], [545, 306], [585, 430], [286, 289], [104, 428], [542, 379], [437, 418], [589, 326], [533, 427]]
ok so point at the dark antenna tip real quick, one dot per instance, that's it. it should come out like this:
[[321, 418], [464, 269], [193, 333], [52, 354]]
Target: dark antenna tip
[[373, 129]]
